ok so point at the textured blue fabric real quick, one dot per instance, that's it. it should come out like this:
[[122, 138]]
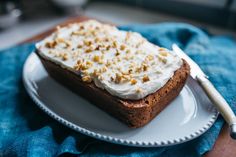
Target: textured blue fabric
[[26, 131]]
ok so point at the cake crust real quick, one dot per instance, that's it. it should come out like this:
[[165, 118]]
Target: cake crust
[[134, 113]]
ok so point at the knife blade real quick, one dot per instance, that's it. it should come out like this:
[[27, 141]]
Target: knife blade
[[215, 97]]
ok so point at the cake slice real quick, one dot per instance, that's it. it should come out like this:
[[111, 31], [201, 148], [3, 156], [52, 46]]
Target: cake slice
[[118, 71]]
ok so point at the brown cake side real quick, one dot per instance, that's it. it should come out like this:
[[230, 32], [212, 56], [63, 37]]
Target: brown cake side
[[134, 113]]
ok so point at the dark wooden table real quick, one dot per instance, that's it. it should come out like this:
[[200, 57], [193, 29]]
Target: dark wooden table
[[224, 146]]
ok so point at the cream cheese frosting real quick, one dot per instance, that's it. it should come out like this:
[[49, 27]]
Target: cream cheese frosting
[[123, 63]]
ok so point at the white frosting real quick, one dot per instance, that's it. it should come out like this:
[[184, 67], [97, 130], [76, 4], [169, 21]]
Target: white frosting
[[129, 66]]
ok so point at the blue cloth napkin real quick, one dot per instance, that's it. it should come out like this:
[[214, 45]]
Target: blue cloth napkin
[[26, 131]]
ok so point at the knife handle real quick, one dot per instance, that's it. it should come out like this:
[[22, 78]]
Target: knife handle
[[220, 103]]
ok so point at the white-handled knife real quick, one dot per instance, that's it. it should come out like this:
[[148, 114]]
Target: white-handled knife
[[215, 97]]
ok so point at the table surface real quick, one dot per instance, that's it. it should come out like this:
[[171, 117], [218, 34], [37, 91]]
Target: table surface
[[224, 146]]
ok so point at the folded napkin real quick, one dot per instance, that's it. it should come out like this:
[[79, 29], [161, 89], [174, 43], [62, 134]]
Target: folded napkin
[[27, 131]]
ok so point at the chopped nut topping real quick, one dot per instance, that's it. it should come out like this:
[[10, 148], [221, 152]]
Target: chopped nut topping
[[164, 53], [106, 39], [60, 40], [163, 60], [98, 47], [64, 57], [114, 44], [138, 69], [81, 27], [128, 51], [122, 47], [149, 57], [79, 46], [97, 40], [88, 63], [139, 90], [93, 32], [100, 77], [77, 66], [133, 81], [102, 54], [130, 71], [117, 53], [50, 44], [126, 77], [139, 44], [104, 69], [87, 42], [112, 79], [68, 44], [108, 47], [108, 63], [145, 78], [145, 67], [118, 78], [125, 72], [88, 50], [96, 58], [87, 79], [161, 49]]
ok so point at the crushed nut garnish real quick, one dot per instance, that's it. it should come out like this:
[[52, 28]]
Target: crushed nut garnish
[[108, 47], [64, 57], [81, 27], [126, 77], [128, 51], [104, 69], [79, 46], [117, 53], [89, 64], [145, 78], [51, 44], [97, 40], [60, 40], [161, 49], [88, 50], [87, 42], [108, 63], [122, 60], [163, 60], [118, 78], [96, 58], [68, 44], [100, 77], [149, 57], [133, 81], [130, 71], [75, 33], [87, 79], [139, 90], [163, 53], [145, 67], [122, 47], [114, 44]]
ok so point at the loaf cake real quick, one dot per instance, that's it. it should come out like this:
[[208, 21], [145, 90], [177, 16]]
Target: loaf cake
[[118, 71]]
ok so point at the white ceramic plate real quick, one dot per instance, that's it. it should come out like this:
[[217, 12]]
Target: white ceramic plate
[[187, 117]]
